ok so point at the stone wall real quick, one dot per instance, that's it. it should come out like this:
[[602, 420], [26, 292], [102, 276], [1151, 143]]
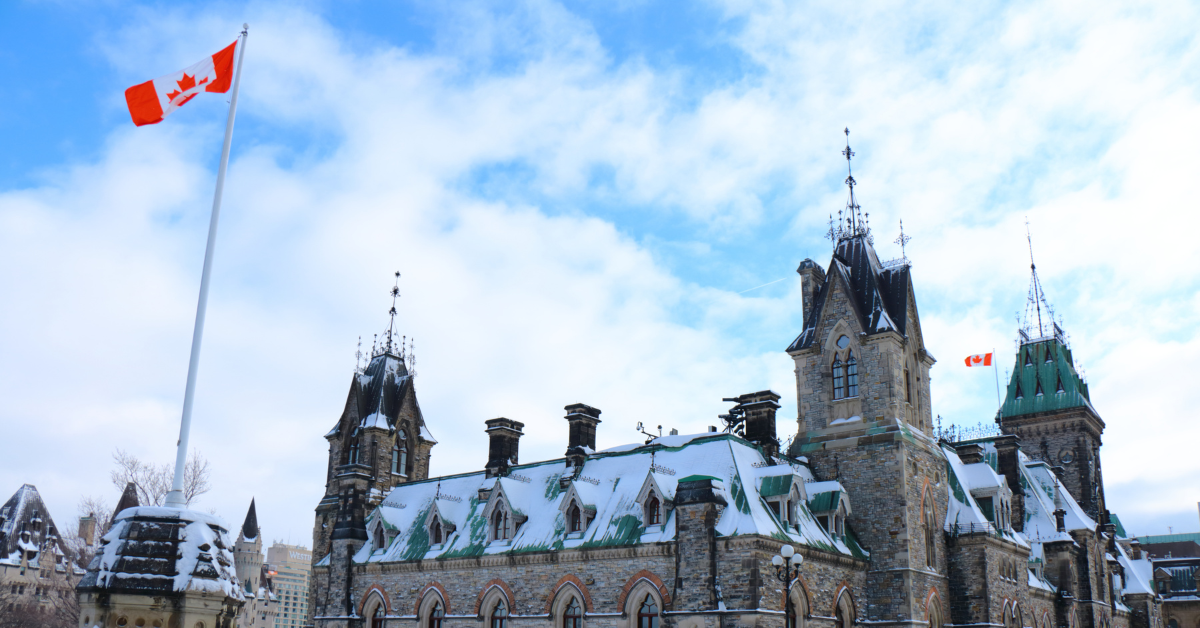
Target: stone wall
[[611, 581]]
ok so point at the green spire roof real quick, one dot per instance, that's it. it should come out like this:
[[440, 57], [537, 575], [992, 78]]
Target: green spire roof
[[1044, 380]]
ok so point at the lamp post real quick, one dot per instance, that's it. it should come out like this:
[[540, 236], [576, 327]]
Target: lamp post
[[787, 567]]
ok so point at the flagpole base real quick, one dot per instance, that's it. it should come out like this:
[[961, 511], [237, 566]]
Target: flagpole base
[[175, 500]]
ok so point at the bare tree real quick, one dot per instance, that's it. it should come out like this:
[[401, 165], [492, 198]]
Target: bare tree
[[153, 482], [84, 549]]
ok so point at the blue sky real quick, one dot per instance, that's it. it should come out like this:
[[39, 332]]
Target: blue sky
[[584, 199]]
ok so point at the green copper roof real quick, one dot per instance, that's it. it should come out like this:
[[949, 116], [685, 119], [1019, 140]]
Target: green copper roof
[[1116, 521], [822, 502], [1044, 380], [776, 485]]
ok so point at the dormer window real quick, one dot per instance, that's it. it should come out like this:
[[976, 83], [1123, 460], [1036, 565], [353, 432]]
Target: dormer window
[[500, 524], [1059, 387], [380, 540], [653, 511], [435, 531], [575, 518]]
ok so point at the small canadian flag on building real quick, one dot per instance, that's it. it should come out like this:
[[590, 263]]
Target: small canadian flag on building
[[152, 101], [980, 359]]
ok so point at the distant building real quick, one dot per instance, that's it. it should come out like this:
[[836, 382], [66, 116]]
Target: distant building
[[36, 572], [289, 566], [254, 576]]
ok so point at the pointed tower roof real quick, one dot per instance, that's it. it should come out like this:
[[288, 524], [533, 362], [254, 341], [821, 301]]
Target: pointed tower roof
[[250, 527], [129, 499], [1044, 377]]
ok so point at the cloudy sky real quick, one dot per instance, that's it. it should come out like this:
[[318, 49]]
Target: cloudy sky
[[594, 201]]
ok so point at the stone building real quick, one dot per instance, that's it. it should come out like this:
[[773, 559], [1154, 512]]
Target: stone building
[[161, 568], [36, 570], [898, 524], [254, 576]]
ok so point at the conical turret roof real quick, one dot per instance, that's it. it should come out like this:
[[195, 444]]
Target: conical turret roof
[[250, 527]]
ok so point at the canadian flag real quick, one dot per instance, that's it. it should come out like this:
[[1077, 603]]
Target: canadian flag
[[981, 359], [152, 101]]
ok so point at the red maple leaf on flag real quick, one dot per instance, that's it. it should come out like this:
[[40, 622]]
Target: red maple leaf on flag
[[185, 83]]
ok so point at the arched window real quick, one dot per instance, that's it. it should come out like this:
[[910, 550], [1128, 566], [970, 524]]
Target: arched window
[[435, 530], [842, 615], [573, 618], [930, 531], [575, 518], [648, 613], [380, 536], [377, 617], [499, 616], [435, 615], [400, 454], [934, 614], [653, 511], [500, 524], [907, 387], [839, 379], [851, 375]]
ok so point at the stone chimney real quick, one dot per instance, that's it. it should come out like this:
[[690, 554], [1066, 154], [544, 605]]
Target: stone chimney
[[505, 434], [758, 410], [87, 529], [698, 506], [1010, 467], [812, 278], [581, 438], [970, 453]]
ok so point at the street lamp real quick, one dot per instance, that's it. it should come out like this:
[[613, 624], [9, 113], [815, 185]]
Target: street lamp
[[787, 567]]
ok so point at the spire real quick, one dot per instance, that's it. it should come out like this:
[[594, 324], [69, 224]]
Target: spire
[[1038, 321], [129, 499], [850, 221], [250, 527]]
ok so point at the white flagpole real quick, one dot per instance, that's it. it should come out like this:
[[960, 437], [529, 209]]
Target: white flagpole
[[996, 370], [175, 498]]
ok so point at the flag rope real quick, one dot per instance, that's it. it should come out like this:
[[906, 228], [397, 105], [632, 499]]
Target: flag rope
[[176, 498]]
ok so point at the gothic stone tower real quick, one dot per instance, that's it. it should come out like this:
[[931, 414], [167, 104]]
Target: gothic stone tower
[[1047, 405], [379, 441], [862, 381], [861, 352]]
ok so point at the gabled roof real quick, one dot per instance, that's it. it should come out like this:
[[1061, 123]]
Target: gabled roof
[[26, 526], [879, 296], [1041, 366], [611, 482]]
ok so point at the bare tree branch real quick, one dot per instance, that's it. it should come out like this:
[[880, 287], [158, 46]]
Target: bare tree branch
[[153, 482]]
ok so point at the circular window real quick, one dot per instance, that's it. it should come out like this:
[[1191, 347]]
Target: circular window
[[158, 623], [122, 621], [1066, 456], [843, 342], [140, 622]]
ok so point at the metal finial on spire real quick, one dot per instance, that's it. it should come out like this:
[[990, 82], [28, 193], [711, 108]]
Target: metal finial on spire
[[854, 225], [392, 313], [358, 357], [902, 241], [1034, 325]]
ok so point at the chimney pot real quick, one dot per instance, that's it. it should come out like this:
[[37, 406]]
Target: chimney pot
[[758, 410]]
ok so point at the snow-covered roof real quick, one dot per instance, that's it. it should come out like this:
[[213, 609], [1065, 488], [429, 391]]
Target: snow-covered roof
[[376, 396], [610, 482], [26, 526], [164, 550]]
